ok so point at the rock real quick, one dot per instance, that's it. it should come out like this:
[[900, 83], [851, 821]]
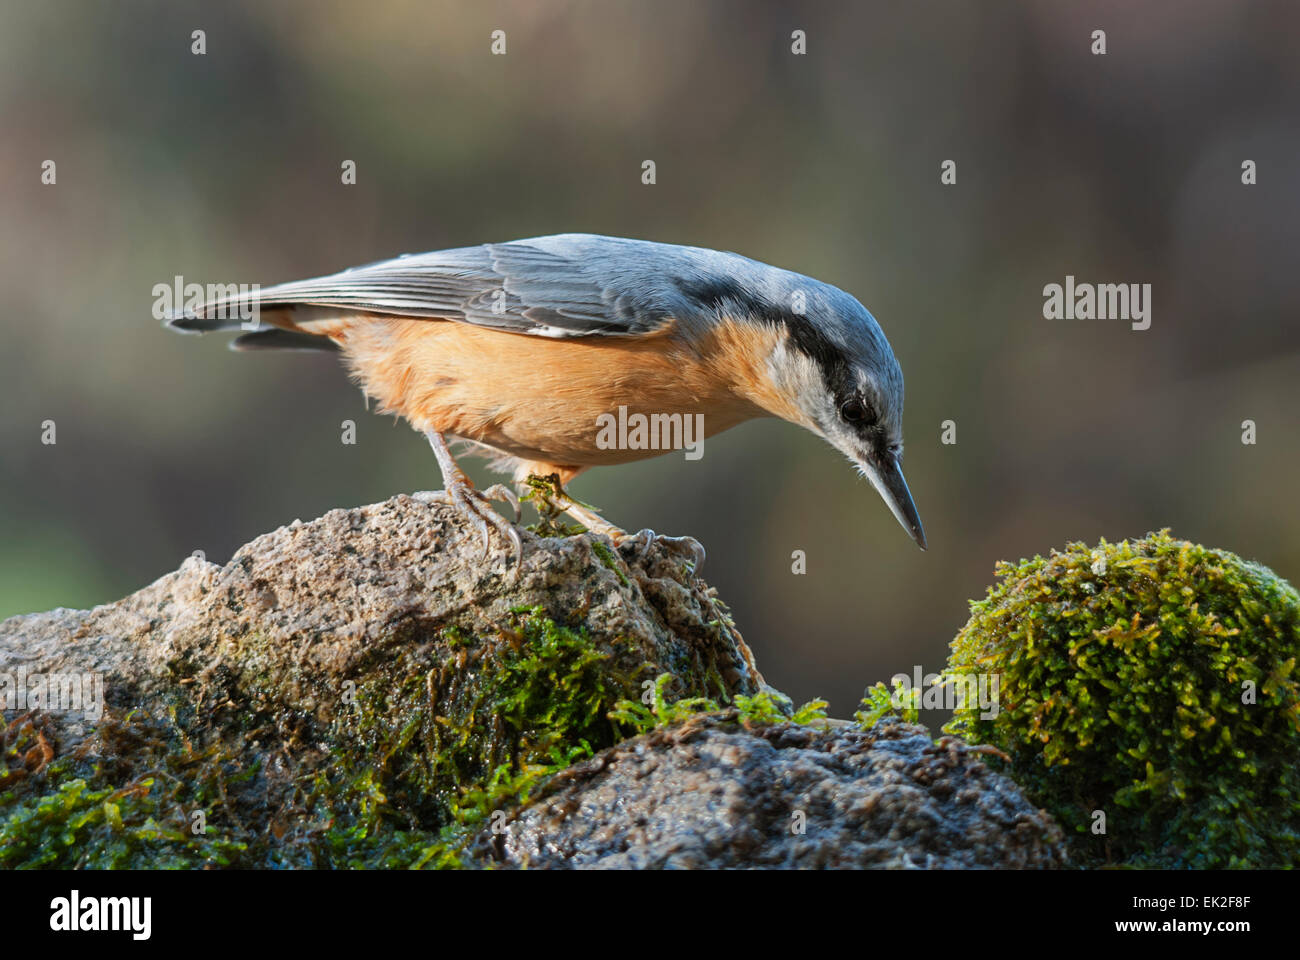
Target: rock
[[299, 611], [374, 654], [711, 794], [369, 690]]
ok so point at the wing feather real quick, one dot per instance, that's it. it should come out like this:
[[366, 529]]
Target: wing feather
[[566, 286]]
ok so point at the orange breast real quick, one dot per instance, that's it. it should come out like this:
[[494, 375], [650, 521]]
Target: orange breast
[[542, 399]]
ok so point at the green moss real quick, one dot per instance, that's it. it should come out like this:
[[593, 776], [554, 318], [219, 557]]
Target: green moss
[[91, 810], [432, 757], [429, 751], [607, 558], [440, 734], [77, 826], [1154, 681], [542, 493], [654, 709], [880, 703], [445, 727]]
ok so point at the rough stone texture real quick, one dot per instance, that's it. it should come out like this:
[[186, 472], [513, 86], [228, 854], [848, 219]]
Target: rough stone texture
[[709, 794], [303, 608], [253, 657]]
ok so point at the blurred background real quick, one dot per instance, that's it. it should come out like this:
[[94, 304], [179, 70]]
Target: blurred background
[[226, 168]]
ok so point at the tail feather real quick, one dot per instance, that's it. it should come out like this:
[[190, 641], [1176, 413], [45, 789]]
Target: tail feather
[[190, 322], [275, 328], [277, 339], [228, 307], [216, 316]]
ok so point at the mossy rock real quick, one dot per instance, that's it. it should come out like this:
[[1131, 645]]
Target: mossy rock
[[1152, 681], [368, 690], [429, 744], [358, 691]]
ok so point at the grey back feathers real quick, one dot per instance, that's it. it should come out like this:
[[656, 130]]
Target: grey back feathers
[[582, 285]]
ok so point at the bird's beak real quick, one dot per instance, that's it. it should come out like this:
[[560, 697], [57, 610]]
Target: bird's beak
[[886, 476]]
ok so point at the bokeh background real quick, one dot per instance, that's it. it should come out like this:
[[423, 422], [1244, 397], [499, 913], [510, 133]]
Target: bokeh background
[[226, 168]]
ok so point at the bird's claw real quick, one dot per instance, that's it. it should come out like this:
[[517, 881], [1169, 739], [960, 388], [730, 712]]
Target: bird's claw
[[641, 541], [475, 504], [553, 497], [499, 491]]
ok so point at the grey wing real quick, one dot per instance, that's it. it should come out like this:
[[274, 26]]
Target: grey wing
[[569, 286]]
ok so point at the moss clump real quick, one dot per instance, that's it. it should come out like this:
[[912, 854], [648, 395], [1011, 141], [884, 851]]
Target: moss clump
[[429, 749], [880, 702], [542, 493], [1152, 680], [655, 710], [101, 807]]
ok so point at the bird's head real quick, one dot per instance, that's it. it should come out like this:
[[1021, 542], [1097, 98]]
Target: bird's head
[[830, 369], [841, 373]]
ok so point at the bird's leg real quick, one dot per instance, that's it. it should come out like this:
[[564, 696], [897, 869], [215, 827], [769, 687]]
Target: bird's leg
[[585, 514], [556, 496], [475, 503]]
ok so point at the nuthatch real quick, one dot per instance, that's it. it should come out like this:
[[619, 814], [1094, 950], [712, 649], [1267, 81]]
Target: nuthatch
[[521, 347]]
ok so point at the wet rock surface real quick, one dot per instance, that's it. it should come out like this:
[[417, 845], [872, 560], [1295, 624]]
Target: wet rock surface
[[710, 794]]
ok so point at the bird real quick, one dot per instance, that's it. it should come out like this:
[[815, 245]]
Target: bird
[[518, 349]]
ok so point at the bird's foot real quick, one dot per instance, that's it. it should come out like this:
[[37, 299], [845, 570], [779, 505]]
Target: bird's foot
[[552, 499], [552, 503], [641, 541], [475, 505]]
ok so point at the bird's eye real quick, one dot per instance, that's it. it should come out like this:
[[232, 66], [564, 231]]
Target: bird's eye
[[853, 410]]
